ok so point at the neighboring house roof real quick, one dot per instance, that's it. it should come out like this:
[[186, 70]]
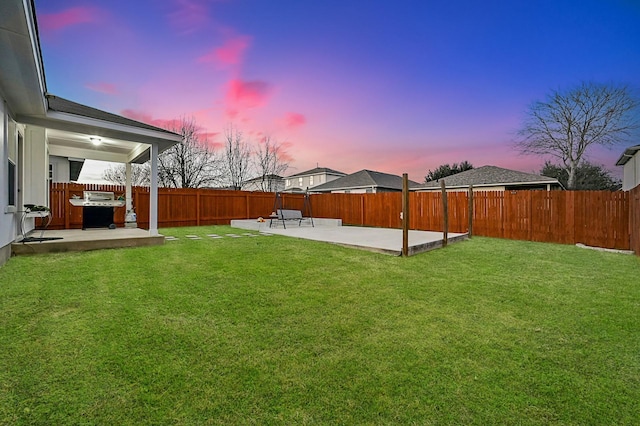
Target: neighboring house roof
[[491, 176], [318, 171], [59, 104], [365, 179], [627, 155], [261, 178]]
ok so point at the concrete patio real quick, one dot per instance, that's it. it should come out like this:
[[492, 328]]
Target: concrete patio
[[379, 240], [84, 240]]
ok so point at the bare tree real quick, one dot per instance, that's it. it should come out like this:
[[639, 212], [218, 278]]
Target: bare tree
[[569, 122], [237, 157], [140, 174], [269, 163], [191, 163]]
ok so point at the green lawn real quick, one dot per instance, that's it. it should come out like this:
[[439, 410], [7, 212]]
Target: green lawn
[[271, 330]]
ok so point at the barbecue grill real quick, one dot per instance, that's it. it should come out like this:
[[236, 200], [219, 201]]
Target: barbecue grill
[[97, 199], [97, 208]]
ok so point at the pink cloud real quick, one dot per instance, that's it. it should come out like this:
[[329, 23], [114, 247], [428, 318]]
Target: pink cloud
[[245, 95], [206, 137], [228, 54], [148, 119], [106, 88], [67, 18], [189, 15], [293, 120]]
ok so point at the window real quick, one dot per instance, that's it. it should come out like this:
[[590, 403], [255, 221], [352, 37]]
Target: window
[[310, 180], [12, 183], [300, 182], [369, 191], [288, 182], [51, 169]]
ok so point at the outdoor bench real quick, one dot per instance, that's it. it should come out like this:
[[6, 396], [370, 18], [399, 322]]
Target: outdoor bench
[[286, 215]]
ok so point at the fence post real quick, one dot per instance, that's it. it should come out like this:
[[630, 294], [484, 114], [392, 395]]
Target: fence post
[[445, 214], [67, 206], [470, 200], [198, 207], [405, 214]]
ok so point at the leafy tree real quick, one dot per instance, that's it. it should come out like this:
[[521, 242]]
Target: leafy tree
[[568, 122], [588, 176], [447, 170]]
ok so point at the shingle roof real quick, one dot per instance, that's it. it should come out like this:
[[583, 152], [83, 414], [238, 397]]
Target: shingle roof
[[69, 107], [265, 177], [365, 179], [316, 171], [490, 175], [627, 154]]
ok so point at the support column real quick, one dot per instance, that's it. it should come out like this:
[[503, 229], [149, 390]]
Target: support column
[[127, 193], [153, 194], [405, 214]]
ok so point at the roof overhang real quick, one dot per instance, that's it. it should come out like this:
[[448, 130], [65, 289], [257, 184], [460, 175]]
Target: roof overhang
[[488, 185], [23, 86], [627, 155], [69, 135], [23, 83]]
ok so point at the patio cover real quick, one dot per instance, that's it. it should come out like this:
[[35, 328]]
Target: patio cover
[[70, 126]]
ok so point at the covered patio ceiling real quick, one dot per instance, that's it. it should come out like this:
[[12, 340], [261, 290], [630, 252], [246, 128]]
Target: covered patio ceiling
[[79, 131]]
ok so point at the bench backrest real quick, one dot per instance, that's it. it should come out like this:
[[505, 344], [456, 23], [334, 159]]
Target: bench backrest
[[289, 214]]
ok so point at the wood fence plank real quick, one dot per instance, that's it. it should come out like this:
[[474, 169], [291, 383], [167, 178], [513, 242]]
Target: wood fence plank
[[598, 218]]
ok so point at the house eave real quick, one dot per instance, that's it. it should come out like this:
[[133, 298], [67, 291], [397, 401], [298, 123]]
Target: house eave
[[627, 155], [484, 185], [23, 83], [79, 124]]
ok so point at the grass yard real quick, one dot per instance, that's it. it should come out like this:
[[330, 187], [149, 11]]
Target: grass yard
[[273, 330]]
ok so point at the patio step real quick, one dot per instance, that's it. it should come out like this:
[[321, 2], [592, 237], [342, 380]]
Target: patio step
[[70, 242]]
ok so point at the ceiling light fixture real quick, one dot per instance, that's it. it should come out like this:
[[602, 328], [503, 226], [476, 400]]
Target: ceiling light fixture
[[95, 141]]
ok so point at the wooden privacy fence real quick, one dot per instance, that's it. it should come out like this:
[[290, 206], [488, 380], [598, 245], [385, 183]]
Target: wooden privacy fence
[[634, 219], [596, 218]]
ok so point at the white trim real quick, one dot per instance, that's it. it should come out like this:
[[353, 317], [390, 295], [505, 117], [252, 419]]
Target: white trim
[[76, 119], [153, 196], [137, 152], [35, 50], [63, 151]]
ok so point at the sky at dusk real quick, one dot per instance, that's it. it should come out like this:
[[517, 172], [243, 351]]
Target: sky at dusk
[[393, 86]]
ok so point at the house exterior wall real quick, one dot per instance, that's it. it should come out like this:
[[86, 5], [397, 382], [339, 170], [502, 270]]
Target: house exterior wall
[[8, 151], [36, 177], [368, 190], [475, 189], [301, 183], [631, 173], [543, 187], [59, 168], [274, 184]]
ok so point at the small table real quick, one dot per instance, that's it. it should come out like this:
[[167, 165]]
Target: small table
[[34, 214]]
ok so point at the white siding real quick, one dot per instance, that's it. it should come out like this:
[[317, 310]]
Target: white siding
[[8, 214], [631, 173], [36, 177], [60, 168]]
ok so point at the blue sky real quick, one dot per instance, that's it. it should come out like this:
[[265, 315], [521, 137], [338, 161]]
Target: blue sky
[[400, 86]]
